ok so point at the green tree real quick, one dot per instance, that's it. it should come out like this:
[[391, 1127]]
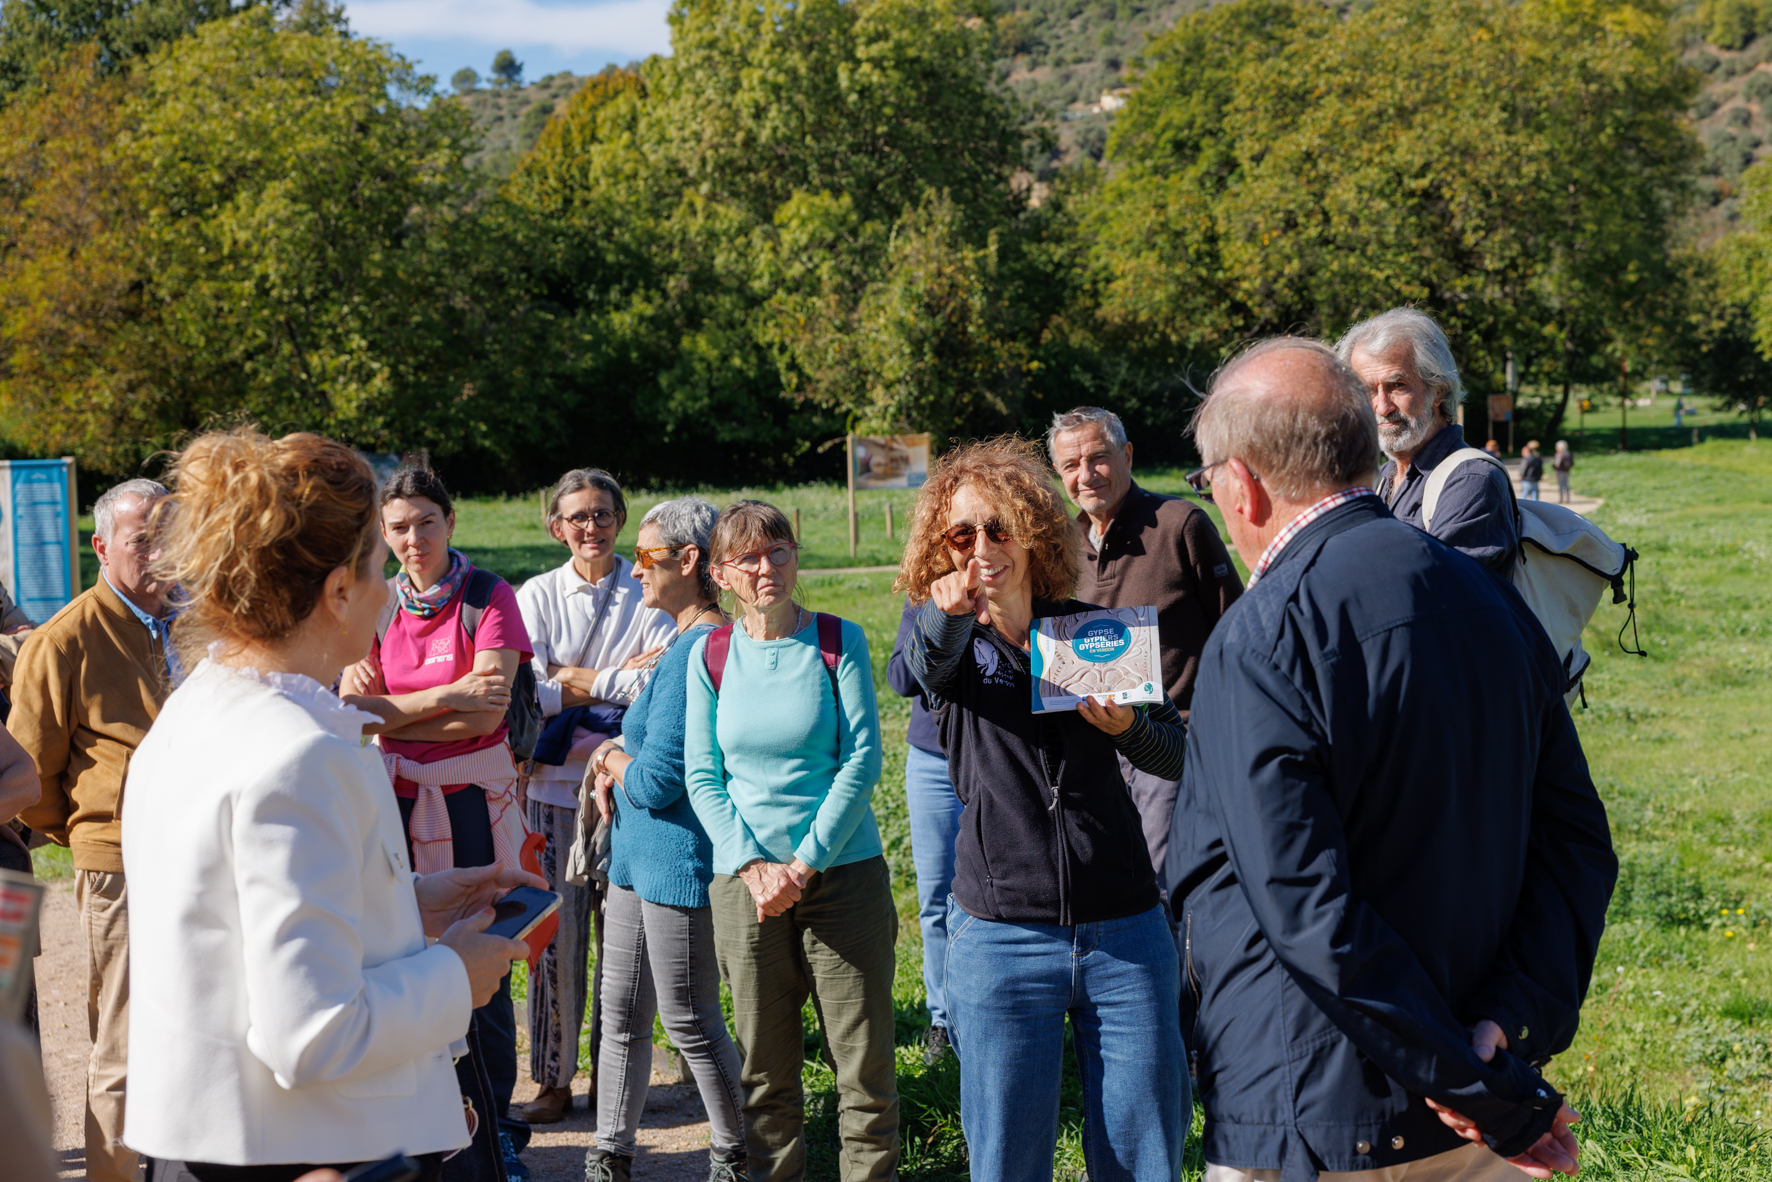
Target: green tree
[[1517, 169], [465, 79], [507, 71], [35, 34], [758, 173]]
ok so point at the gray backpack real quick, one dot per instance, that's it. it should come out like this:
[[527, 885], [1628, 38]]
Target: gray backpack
[[1565, 563]]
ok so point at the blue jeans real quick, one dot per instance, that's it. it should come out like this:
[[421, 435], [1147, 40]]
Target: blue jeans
[[1120, 983], [1528, 490], [935, 825]]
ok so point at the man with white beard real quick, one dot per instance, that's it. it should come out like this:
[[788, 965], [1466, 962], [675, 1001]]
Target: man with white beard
[[1403, 358]]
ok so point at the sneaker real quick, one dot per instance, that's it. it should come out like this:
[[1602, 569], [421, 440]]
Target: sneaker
[[601, 1166], [515, 1170], [935, 1045], [727, 1167]]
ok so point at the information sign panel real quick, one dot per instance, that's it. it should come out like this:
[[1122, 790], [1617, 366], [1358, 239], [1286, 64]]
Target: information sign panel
[[39, 548]]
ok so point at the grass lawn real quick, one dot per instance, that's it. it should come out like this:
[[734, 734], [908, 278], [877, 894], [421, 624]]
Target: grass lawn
[[1673, 1067]]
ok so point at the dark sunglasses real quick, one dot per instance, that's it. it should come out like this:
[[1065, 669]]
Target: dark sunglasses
[[1202, 484], [964, 537]]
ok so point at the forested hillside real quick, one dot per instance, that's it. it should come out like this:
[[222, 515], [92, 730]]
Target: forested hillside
[[819, 215]]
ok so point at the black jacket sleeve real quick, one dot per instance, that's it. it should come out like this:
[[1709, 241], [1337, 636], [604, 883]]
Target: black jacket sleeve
[[1265, 779], [933, 648], [1540, 977], [898, 674]]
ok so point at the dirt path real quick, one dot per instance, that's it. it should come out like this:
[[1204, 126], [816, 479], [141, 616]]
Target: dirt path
[[673, 1134]]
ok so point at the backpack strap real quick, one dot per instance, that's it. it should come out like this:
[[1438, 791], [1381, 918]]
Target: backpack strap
[[1436, 480], [830, 649], [715, 652], [386, 620], [475, 597]]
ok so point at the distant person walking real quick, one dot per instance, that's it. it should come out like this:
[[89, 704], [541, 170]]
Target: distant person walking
[[1562, 462], [658, 957], [782, 747], [1679, 412], [1531, 471], [86, 689], [590, 631], [1056, 912]]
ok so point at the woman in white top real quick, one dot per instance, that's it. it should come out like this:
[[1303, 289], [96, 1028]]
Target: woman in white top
[[287, 1008], [591, 637]]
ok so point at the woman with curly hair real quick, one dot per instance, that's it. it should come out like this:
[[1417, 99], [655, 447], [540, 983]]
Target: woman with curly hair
[[1055, 909]]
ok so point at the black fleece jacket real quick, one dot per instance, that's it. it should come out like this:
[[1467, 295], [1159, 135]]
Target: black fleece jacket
[[1049, 833]]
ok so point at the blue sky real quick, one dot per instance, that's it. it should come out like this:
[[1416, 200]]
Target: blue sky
[[546, 35]]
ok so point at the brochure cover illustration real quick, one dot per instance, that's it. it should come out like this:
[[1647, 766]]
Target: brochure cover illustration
[[1108, 654]]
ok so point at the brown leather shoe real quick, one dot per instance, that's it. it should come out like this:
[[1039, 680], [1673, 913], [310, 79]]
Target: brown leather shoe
[[550, 1106]]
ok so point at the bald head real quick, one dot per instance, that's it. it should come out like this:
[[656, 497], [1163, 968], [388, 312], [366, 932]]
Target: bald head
[[1296, 415]]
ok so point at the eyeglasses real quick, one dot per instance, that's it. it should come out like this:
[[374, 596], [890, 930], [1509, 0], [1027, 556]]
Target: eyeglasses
[[601, 519], [648, 557], [779, 554], [1202, 485], [964, 537]]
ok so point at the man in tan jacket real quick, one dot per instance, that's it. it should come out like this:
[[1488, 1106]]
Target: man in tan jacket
[[87, 687]]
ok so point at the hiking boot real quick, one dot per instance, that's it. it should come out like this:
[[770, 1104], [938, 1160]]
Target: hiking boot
[[727, 1167], [935, 1045], [601, 1166], [550, 1106], [515, 1170]]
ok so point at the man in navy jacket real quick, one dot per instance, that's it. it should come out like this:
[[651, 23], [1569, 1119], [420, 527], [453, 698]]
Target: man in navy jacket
[[1394, 869]]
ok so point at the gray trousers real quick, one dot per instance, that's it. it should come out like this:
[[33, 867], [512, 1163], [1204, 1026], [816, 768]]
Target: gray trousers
[[559, 987], [661, 960]]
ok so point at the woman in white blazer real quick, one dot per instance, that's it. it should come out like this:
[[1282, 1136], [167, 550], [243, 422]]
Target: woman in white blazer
[[287, 1009]]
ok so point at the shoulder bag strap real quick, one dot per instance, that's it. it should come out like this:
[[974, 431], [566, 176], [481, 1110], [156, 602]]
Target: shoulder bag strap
[[714, 654], [1436, 480]]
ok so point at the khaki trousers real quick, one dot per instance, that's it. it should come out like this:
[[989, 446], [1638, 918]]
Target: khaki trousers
[[104, 913], [835, 946], [1472, 1163]]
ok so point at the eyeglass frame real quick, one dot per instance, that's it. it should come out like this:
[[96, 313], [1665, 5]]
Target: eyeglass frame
[[735, 561], [989, 529], [590, 520], [1202, 487]]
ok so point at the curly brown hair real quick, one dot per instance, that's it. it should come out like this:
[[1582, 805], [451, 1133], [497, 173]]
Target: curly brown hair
[[1011, 474]]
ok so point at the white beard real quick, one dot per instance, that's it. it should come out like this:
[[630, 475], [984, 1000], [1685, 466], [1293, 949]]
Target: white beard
[[1408, 438]]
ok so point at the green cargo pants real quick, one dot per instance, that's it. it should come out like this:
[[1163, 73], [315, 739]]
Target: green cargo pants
[[835, 946]]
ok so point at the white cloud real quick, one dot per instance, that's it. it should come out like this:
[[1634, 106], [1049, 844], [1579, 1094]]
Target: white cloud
[[633, 28]]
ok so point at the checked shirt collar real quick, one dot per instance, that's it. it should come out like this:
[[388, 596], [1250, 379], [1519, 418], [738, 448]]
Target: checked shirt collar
[[1297, 524]]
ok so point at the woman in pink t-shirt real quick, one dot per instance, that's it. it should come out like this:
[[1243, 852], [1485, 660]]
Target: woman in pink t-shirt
[[442, 694]]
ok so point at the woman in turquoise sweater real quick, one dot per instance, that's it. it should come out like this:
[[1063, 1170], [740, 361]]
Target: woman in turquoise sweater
[[658, 929], [782, 746]]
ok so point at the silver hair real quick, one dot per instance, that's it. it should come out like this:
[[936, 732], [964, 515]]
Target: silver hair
[[688, 521], [104, 510], [1083, 416], [580, 479], [1300, 446], [1428, 347]]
